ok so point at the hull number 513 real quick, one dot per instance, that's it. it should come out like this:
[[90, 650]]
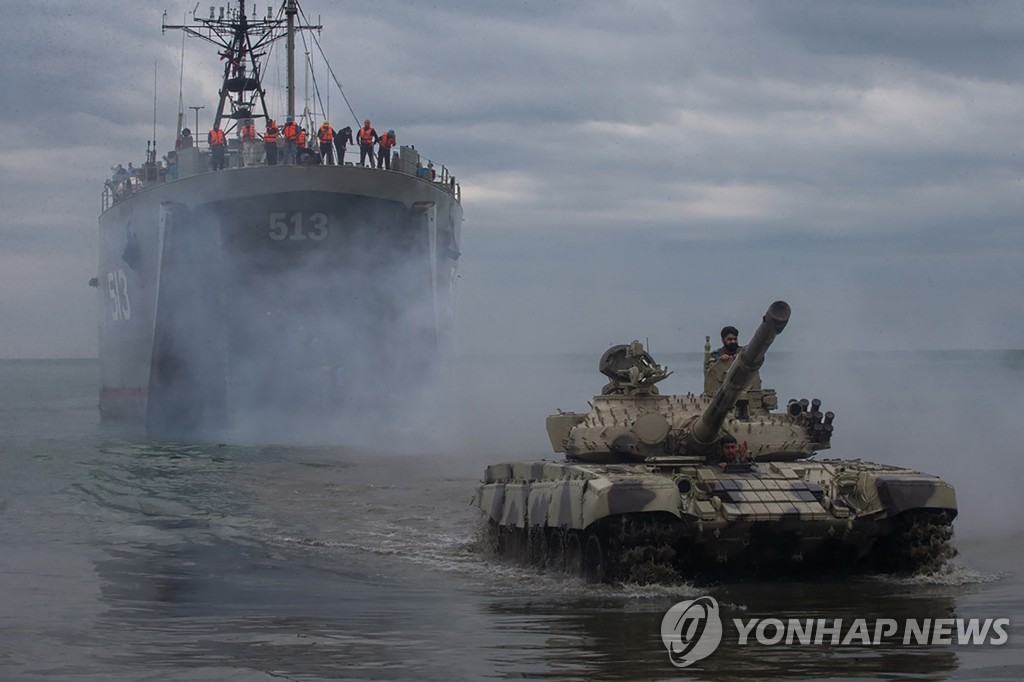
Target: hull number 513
[[298, 227], [117, 287]]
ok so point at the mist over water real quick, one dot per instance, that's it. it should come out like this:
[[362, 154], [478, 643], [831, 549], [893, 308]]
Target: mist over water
[[264, 338], [128, 559]]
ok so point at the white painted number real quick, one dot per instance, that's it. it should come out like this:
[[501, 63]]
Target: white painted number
[[117, 287], [297, 227], [319, 231]]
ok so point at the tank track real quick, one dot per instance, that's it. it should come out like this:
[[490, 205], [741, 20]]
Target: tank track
[[645, 549], [920, 542], [623, 549]]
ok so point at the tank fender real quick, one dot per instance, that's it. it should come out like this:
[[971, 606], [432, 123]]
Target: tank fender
[[902, 493], [491, 499], [513, 508], [540, 499], [566, 505], [604, 497]]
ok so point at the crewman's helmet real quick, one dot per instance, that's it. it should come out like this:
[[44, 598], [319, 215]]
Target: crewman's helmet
[[391, 132], [327, 124]]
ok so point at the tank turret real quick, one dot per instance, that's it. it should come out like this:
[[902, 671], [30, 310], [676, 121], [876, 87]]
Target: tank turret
[[646, 492], [632, 421]]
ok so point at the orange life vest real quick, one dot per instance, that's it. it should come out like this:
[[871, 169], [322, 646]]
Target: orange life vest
[[248, 133], [366, 136], [325, 135], [302, 138], [387, 141], [290, 131], [217, 137], [271, 134]]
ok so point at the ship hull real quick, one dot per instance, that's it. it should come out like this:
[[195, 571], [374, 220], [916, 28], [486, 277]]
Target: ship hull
[[272, 295]]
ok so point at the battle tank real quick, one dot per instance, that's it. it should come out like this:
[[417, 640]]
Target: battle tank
[[644, 493]]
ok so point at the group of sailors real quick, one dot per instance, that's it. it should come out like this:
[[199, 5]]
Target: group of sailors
[[125, 181], [295, 145]]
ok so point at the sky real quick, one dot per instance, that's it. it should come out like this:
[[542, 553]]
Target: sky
[[649, 170]]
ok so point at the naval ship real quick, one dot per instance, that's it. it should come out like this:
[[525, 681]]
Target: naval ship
[[269, 296]]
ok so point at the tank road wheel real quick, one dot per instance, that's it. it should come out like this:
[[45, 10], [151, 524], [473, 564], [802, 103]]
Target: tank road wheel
[[502, 541], [536, 546], [595, 559], [512, 543], [574, 552], [491, 537], [556, 549]]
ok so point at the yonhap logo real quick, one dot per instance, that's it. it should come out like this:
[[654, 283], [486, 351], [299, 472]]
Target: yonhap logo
[[691, 630]]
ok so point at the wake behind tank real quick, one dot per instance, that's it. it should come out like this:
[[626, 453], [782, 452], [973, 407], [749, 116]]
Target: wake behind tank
[[648, 491]]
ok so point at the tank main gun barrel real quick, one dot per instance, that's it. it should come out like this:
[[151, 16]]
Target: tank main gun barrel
[[705, 430]]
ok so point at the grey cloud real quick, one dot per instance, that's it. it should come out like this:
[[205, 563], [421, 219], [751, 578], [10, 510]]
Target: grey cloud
[[611, 156], [973, 40]]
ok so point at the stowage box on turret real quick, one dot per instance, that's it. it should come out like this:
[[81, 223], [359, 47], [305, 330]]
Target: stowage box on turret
[[654, 487]]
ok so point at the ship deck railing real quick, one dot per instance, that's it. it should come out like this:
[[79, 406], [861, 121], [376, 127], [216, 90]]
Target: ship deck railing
[[196, 160]]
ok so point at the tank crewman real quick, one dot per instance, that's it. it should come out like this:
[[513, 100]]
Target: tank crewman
[[290, 132], [342, 138], [367, 138], [718, 363], [218, 146], [730, 451], [386, 142], [730, 346], [250, 150]]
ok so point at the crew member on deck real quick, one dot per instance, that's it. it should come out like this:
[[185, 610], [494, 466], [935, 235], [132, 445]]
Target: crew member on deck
[[270, 142], [218, 146], [342, 138], [386, 142], [250, 150], [367, 138], [290, 132], [326, 137]]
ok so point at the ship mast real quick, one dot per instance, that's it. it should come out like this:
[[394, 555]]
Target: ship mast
[[243, 42], [291, 8]]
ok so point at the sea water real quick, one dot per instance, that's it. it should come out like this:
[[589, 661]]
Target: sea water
[[124, 559]]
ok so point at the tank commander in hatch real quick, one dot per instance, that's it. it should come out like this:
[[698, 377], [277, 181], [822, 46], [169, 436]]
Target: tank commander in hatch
[[718, 364], [730, 346]]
